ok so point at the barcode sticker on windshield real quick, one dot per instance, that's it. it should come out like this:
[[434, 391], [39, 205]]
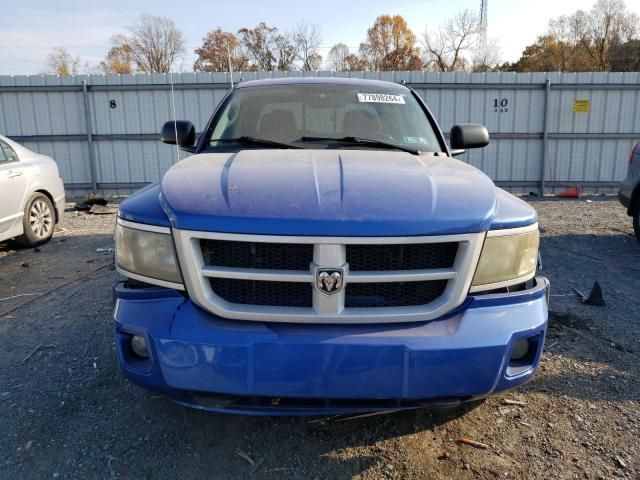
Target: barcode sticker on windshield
[[380, 98]]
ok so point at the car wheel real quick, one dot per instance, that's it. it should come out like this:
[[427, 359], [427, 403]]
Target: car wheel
[[636, 219], [38, 221]]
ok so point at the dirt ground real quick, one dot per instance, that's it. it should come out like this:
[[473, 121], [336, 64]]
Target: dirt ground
[[65, 411]]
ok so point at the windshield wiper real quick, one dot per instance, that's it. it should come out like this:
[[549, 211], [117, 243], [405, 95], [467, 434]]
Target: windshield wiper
[[247, 140], [359, 141]]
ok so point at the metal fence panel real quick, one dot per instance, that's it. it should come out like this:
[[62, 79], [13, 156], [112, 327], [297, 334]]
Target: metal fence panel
[[593, 119]]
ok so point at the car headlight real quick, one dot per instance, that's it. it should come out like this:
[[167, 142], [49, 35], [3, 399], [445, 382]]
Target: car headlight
[[147, 253], [507, 258]]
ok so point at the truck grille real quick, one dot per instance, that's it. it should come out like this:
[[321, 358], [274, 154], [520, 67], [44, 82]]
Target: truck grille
[[398, 294], [417, 256], [275, 278], [256, 292], [276, 256]]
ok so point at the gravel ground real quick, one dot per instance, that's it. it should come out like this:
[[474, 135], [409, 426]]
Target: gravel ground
[[65, 412]]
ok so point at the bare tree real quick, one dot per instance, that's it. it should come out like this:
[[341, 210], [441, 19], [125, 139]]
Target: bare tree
[[355, 63], [61, 62], [337, 58], [609, 25], [586, 41], [315, 61], [626, 57], [218, 48], [155, 44], [449, 48], [286, 52], [486, 58], [267, 49], [118, 60], [308, 38], [259, 44]]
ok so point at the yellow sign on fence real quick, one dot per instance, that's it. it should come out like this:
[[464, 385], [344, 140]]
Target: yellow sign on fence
[[583, 105]]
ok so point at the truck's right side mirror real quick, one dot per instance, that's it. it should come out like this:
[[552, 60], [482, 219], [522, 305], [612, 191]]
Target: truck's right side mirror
[[181, 132], [468, 135]]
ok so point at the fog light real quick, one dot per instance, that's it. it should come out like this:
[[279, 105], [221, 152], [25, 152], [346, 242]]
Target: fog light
[[139, 346], [520, 349]]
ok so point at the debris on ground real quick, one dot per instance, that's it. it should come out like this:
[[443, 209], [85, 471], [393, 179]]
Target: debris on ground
[[33, 352], [621, 462], [103, 209], [18, 296], [256, 467], [90, 201], [24, 264], [583, 296], [595, 297], [244, 455], [519, 403], [104, 250], [472, 443], [572, 192]]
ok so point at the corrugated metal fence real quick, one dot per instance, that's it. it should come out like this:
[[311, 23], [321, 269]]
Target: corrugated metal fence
[[548, 129]]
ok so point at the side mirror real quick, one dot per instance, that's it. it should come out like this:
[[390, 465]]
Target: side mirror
[[468, 135], [180, 132]]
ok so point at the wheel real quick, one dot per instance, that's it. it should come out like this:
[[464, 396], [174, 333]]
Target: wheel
[[38, 221], [636, 219]]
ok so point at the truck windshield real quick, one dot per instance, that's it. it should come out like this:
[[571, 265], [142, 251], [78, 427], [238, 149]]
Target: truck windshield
[[322, 116]]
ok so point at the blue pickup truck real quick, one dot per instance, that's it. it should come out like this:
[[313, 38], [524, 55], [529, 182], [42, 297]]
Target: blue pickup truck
[[323, 252]]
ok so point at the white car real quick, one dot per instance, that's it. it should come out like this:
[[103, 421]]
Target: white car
[[31, 194]]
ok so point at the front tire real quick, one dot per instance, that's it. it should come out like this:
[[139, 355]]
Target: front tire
[[38, 221]]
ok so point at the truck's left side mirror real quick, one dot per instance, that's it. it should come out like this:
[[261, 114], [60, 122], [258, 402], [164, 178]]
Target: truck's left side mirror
[[181, 132], [468, 135]]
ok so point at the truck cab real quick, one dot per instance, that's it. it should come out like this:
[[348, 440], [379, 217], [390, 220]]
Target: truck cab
[[322, 251]]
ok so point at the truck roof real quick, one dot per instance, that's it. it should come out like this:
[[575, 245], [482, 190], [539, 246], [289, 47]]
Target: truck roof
[[361, 82]]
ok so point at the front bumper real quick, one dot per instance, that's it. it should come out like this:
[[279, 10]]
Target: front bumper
[[59, 205], [208, 362]]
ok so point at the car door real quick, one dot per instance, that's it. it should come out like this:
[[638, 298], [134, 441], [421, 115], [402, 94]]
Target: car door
[[13, 183]]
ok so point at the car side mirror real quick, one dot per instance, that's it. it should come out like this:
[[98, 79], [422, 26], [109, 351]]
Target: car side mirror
[[180, 132], [468, 135]]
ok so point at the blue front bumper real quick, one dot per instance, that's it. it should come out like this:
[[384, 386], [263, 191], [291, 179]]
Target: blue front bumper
[[208, 362]]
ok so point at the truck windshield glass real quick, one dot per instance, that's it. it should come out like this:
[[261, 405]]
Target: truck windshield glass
[[323, 116]]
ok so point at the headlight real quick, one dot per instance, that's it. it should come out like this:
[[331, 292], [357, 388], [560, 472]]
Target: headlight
[[506, 259], [146, 255]]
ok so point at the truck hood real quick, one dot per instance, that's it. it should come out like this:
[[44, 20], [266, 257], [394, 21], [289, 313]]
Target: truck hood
[[328, 192]]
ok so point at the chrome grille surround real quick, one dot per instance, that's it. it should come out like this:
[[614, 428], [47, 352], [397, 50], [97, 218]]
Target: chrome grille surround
[[328, 252]]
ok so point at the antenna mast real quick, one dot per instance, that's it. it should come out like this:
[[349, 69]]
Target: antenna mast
[[482, 43], [230, 68]]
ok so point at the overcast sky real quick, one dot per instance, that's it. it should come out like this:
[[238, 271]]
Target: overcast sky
[[30, 28]]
